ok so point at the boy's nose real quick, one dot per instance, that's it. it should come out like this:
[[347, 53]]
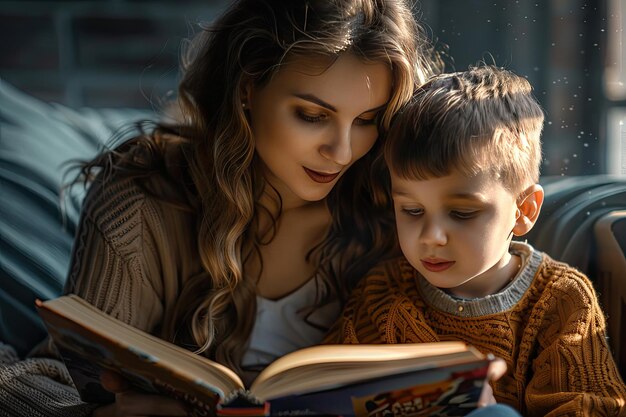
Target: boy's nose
[[433, 234]]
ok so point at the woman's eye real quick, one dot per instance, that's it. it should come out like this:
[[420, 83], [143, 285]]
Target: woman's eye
[[463, 215], [413, 212], [361, 121], [311, 118]]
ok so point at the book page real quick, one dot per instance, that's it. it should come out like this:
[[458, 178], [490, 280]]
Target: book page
[[71, 320], [334, 365]]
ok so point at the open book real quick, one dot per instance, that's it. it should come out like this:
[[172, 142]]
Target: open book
[[443, 378]]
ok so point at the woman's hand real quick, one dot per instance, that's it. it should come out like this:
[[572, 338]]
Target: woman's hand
[[132, 403], [497, 368]]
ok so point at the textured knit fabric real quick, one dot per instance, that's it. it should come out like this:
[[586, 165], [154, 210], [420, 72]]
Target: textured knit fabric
[[552, 337], [132, 256], [37, 387], [145, 250]]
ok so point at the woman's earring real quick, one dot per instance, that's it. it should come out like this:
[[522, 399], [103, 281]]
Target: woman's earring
[[243, 105]]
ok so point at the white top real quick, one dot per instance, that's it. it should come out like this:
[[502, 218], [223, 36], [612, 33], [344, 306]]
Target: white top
[[281, 327]]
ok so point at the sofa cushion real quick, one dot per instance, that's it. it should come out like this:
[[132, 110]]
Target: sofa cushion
[[37, 225]]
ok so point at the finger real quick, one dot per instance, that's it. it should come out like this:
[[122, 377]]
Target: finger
[[486, 396], [113, 382], [133, 403], [497, 368]]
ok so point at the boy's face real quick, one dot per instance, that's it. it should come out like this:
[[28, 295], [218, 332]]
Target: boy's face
[[456, 231]]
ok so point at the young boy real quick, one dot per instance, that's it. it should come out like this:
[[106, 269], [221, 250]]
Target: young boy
[[464, 161]]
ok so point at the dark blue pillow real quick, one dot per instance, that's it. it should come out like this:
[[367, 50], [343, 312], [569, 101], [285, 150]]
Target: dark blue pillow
[[37, 140]]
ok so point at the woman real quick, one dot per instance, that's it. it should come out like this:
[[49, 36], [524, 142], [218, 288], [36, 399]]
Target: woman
[[237, 231]]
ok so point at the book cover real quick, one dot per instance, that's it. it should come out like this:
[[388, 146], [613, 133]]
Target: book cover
[[452, 390]]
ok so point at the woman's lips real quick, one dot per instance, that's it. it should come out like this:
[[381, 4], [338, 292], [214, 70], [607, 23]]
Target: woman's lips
[[436, 266], [320, 176]]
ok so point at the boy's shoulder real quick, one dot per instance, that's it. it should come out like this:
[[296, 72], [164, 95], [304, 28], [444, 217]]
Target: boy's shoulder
[[394, 272], [563, 302], [562, 280]]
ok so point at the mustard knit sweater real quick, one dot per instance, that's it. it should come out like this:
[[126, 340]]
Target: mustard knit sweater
[[546, 324]]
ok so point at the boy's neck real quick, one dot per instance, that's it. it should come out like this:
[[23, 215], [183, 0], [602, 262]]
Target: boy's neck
[[492, 281]]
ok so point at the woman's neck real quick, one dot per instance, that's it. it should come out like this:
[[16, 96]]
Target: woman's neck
[[285, 242]]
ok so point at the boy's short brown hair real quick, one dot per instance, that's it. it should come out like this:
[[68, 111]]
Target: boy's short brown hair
[[481, 120]]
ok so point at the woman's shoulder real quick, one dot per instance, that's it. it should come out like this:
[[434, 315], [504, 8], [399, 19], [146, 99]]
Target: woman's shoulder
[[110, 198], [126, 210]]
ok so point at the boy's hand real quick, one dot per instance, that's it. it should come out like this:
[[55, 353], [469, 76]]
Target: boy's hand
[[132, 403], [497, 368]]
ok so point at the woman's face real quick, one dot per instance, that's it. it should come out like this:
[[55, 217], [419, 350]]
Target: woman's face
[[310, 126]]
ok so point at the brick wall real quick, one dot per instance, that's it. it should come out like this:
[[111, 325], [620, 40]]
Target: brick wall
[[115, 53], [106, 53]]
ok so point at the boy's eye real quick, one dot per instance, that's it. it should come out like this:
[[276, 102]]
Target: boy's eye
[[311, 118], [463, 215], [413, 212]]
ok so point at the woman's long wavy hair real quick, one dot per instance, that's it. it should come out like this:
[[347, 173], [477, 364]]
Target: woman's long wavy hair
[[210, 152]]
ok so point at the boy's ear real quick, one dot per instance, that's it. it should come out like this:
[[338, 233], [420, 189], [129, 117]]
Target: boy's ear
[[528, 207]]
